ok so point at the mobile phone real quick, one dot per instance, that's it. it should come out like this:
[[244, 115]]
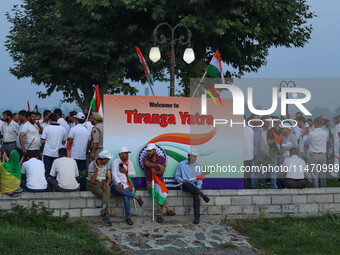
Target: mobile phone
[[121, 165]]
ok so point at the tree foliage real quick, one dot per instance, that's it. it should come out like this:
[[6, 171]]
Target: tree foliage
[[71, 45]]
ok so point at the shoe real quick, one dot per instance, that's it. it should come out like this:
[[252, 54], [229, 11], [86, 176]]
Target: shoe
[[205, 198], [106, 221], [196, 220], [171, 213], [140, 201], [103, 212], [159, 219], [129, 221]]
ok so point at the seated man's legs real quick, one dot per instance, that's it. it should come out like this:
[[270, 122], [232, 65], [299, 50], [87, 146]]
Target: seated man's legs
[[188, 187], [127, 195], [54, 184], [101, 192]]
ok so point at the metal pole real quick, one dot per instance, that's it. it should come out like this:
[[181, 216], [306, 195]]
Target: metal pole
[[172, 67]]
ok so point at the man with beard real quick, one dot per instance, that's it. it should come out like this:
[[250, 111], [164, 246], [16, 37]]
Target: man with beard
[[122, 172], [155, 164], [9, 132], [29, 136]]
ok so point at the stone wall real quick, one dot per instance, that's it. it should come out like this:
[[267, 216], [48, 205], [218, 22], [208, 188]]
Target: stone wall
[[232, 203]]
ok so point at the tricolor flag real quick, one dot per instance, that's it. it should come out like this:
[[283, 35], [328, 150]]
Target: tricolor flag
[[215, 67], [36, 108], [146, 68], [96, 103], [197, 178], [278, 140], [28, 106], [131, 186], [159, 191]]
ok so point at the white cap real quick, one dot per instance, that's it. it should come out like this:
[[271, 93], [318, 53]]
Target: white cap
[[282, 126], [105, 154], [124, 149], [193, 152], [151, 146], [80, 116]]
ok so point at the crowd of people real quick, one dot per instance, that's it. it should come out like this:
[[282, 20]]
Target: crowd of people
[[54, 153], [306, 150]]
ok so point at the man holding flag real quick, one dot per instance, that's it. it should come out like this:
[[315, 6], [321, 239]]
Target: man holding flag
[[154, 168], [122, 172], [188, 175]]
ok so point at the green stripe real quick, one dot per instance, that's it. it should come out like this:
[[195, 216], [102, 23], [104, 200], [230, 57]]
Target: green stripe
[[93, 105], [160, 199], [210, 95], [133, 186], [213, 71], [176, 156]]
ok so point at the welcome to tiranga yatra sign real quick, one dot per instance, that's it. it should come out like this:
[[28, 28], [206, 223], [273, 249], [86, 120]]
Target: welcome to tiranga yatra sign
[[175, 124]]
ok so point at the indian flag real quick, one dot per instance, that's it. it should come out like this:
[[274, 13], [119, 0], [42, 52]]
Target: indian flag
[[215, 67], [159, 191], [96, 103]]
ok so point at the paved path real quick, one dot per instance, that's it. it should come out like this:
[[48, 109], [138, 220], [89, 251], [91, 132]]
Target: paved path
[[177, 235]]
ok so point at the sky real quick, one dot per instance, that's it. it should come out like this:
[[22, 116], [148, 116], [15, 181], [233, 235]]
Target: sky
[[320, 58]]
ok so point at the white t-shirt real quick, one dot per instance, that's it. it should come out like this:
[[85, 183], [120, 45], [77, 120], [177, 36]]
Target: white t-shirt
[[336, 136], [295, 167], [18, 142], [64, 124], [317, 140], [53, 135], [102, 171], [66, 170], [31, 133], [88, 125], [35, 174], [81, 135], [248, 143], [117, 176]]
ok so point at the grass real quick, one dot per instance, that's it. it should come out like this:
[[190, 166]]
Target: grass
[[293, 235], [35, 231]]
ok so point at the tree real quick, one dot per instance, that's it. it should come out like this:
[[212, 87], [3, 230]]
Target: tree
[[71, 45]]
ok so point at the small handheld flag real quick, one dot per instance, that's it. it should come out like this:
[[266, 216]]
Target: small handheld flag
[[197, 178], [28, 106], [159, 190]]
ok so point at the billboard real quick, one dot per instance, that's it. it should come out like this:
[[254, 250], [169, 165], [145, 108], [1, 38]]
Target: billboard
[[174, 124]]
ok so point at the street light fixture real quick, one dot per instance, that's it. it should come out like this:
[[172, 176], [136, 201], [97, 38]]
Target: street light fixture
[[285, 84], [155, 54]]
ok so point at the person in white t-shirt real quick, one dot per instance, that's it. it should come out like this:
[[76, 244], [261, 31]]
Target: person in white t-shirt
[[63, 173], [9, 131], [72, 118], [33, 175], [53, 138], [79, 139], [45, 121], [294, 175], [29, 136], [62, 122]]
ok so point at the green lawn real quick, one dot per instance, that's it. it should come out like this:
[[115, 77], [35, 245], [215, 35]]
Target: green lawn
[[293, 235], [35, 231]]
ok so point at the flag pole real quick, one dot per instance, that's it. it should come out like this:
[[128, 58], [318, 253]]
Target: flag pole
[[153, 200], [29, 146], [199, 84], [88, 115], [153, 93]]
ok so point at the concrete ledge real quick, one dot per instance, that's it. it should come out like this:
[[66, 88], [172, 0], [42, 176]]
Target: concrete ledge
[[231, 203]]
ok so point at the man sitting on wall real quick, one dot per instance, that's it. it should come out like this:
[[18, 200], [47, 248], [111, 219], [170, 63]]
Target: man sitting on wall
[[186, 170], [294, 175]]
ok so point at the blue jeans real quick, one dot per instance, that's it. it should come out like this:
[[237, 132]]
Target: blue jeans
[[23, 185], [275, 161], [127, 195]]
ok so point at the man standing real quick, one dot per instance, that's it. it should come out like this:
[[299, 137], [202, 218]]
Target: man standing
[[79, 139], [289, 141], [274, 138], [10, 132], [317, 141], [295, 177], [29, 136], [72, 118], [96, 135], [155, 164], [122, 172], [63, 173], [100, 180], [62, 122], [248, 149], [53, 138], [33, 175], [44, 121], [186, 170]]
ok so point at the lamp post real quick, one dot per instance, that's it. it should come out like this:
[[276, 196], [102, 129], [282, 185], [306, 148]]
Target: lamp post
[[155, 54], [285, 84]]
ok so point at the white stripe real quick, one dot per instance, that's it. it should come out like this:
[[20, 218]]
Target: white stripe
[[214, 61], [159, 190]]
